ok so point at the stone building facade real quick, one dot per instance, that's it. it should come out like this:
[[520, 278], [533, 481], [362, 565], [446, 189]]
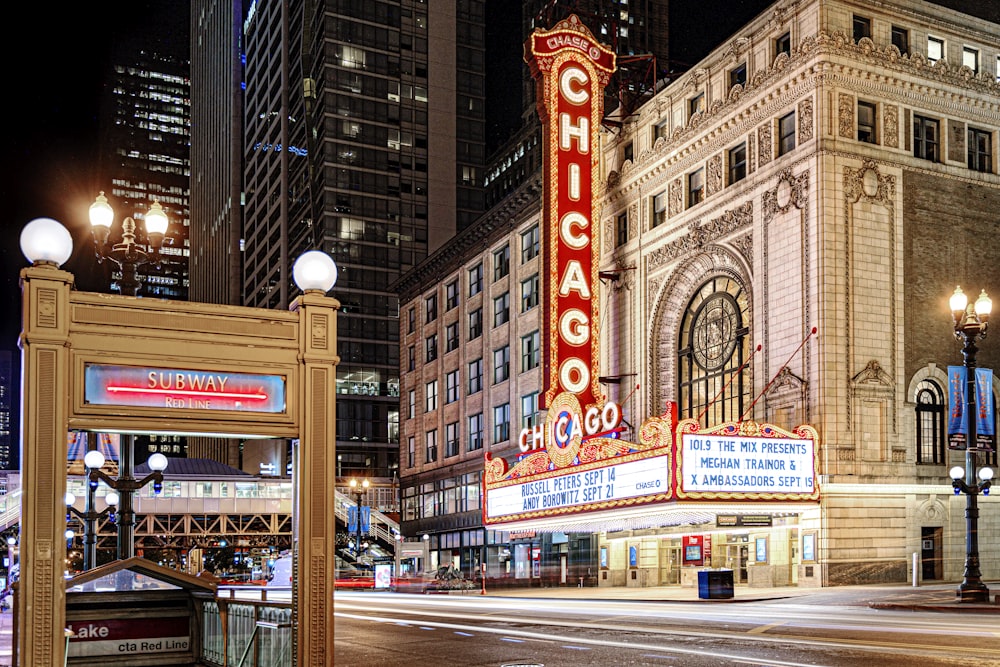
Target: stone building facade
[[780, 247]]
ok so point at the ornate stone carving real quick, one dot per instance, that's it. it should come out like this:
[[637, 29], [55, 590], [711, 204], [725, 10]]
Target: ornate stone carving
[[793, 191], [713, 183], [764, 141], [633, 220], [751, 155], [745, 245], [872, 373], [869, 183], [890, 125], [675, 202], [845, 115], [700, 235], [805, 120]]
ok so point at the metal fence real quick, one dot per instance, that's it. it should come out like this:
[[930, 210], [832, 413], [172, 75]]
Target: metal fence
[[246, 633]]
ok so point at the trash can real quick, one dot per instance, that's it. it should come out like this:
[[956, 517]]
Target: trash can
[[715, 584]]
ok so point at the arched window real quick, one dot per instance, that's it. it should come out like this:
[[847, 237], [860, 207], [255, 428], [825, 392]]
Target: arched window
[[930, 423], [713, 344]]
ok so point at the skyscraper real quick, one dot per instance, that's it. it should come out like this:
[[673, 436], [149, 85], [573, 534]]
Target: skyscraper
[[145, 134], [364, 130]]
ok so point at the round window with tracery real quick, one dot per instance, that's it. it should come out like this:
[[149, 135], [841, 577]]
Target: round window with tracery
[[714, 331]]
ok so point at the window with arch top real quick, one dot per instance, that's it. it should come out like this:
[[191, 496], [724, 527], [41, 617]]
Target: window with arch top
[[930, 423], [713, 344]]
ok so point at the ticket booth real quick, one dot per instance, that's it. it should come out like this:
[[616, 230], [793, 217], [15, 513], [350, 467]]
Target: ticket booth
[[134, 612]]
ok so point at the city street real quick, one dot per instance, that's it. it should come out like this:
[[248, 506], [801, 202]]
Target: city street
[[836, 628]]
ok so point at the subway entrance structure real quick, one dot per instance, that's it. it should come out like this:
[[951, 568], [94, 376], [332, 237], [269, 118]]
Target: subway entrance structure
[[120, 364]]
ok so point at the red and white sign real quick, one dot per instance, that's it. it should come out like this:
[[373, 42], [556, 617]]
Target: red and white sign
[[571, 68], [129, 636]]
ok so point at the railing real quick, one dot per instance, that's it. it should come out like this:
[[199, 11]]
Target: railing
[[246, 633], [381, 526]]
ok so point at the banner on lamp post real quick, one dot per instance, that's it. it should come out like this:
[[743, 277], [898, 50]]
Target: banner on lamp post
[[958, 418], [985, 414]]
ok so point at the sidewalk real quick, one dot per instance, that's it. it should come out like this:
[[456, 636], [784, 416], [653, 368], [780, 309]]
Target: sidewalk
[[929, 597]]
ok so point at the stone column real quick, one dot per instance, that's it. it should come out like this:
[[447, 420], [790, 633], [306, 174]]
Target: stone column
[[314, 538], [44, 343]]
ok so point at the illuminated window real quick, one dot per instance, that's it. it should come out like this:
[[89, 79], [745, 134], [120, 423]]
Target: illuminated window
[[412, 407], [935, 49], [970, 58], [712, 345], [930, 423], [431, 396]]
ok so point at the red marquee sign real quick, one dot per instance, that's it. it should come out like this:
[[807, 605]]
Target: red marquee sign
[[571, 68]]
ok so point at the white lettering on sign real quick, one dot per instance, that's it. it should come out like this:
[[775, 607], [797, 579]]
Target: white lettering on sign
[[592, 422], [617, 482], [725, 464]]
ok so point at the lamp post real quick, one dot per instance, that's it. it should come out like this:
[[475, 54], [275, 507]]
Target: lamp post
[[126, 485], [971, 321], [128, 254], [358, 489], [93, 460]]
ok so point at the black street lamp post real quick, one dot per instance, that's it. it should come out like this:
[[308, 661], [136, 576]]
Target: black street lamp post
[[93, 460], [358, 488], [126, 485], [129, 256], [970, 325]]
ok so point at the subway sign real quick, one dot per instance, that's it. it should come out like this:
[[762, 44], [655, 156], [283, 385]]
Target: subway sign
[[175, 388], [572, 69]]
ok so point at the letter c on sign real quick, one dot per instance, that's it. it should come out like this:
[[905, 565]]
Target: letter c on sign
[[569, 76], [570, 220]]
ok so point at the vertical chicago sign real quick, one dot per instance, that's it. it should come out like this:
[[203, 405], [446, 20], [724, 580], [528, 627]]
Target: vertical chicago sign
[[571, 68]]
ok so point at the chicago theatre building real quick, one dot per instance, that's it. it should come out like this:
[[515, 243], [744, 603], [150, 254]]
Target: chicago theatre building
[[715, 333]]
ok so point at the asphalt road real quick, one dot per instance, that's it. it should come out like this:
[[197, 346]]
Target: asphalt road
[[835, 629]]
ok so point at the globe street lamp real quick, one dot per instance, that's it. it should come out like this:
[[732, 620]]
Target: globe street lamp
[[358, 489], [93, 460], [128, 254], [126, 486], [971, 321]]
